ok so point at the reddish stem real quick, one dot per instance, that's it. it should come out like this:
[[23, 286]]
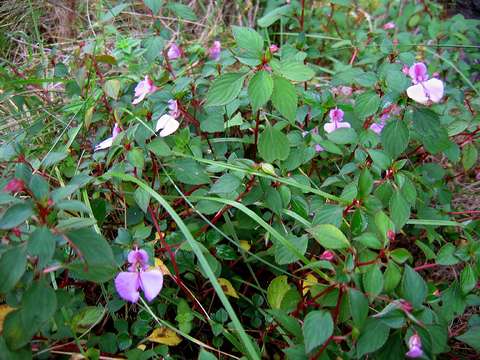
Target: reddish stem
[[425, 266]]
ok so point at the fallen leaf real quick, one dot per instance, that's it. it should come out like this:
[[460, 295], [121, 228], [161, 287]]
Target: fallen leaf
[[309, 281], [245, 245], [165, 336], [163, 268], [4, 311], [228, 288]]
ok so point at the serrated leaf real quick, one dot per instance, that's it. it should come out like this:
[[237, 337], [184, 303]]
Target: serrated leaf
[[260, 89], [273, 144], [395, 136], [225, 89], [366, 104], [295, 70], [284, 97], [249, 42], [317, 328], [329, 236]]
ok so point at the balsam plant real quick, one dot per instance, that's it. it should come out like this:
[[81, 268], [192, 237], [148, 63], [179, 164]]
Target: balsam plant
[[284, 192]]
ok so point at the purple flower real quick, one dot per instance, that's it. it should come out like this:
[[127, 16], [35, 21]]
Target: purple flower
[[414, 346], [319, 148], [105, 144], [174, 52], [378, 127], [173, 108], [214, 51], [327, 255], [424, 90], [142, 89], [336, 121], [388, 26], [138, 277]]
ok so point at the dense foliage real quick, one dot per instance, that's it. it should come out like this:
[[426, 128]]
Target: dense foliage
[[293, 188]]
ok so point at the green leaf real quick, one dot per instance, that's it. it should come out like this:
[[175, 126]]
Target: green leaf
[[12, 267], [41, 244], [15, 215], [288, 323], [413, 288], [329, 236], [469, 156], [154, 5], [373, 336], [395, 136], [276, 291], [365, 184], [274, 15], [159, 147], [317, 328], [373, 281], [225, 89], [182, 11], [392, 277], [53, 158], [188, 171], [153, 47], [136, 157], [205, 355], [471, 338], [142, 199], [96, 262], [249, 42], [366, 104], [283, 255], [112, 88], [260, 89], [343, 136], [273, 144], [226, 184], [468, 279], [358, 305], [399, 210], [427, 126], [284, 97], [295, 70]]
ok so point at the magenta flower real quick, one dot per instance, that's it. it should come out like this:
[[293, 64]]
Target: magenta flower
[[319, 148], [414, 346], [14, 186], [215, 50], [142, 89], [405, 70], [388, 26], [138, 277], [105, 144], [174, 52], [336, 121], [424, 90], [273, 48], [327, 255], [378, 127]]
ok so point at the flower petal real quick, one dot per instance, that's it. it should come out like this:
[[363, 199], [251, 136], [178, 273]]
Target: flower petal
[[167, 124], [151, 282], [415, 352], [417, 93], [127, 284], [329, 127], [343, 125], [434, 89], [139, 99], [105, 144], [418, 72]]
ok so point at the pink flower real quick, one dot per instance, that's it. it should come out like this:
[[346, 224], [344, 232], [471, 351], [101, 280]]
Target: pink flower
[[14, 186], [414, 346], [336, 121], [424, 90], [378, 127], [388, 26], [273, 48], [174, 52], [138, 277], [214, 51], [173, 108], [345, 90], [319, 148], [105, 144], [405, 69], [327, 255], [142, 89]]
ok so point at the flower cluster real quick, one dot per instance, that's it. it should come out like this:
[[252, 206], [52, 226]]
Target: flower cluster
[[424, 90]]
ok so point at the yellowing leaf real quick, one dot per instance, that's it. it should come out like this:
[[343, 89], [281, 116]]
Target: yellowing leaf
[[309, 281], [159, 264], [141, 347], [165, 336], [4, 311], [228, 288], [245, 245]]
